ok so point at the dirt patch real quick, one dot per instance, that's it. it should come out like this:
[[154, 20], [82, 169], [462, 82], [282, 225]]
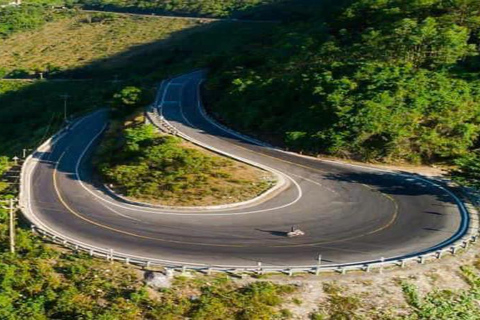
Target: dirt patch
[[380, 296]]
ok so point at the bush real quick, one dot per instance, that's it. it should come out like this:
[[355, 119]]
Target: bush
[[25, 17], [127, 100], [468, 171]]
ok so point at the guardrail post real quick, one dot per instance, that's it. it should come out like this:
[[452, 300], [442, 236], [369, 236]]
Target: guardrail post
[[184, 270], [343, 270], [259, 269], [319, 264], [382, 259], [127, 260], [403, 263], [111, 255], [90, 252], [209, 271], [422, 259], [367, 267], [290, 272], [76, 248], [439, 254], [148, 264], [454, 250]]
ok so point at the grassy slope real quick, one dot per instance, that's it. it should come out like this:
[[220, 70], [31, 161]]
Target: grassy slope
[[83, 39]]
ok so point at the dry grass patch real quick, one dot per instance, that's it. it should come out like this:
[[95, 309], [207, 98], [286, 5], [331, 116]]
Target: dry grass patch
[[80, 40]]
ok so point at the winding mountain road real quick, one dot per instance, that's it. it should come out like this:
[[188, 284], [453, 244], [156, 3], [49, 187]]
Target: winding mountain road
[[349, 213]]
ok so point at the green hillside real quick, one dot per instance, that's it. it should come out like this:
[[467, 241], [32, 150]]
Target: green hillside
[[379, 81]]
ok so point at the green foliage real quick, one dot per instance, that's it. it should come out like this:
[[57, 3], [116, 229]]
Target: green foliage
[[446, 304], [127, 100], [210, 8], [144, 164], [468, 170], [4, 165], [150, 164], [338, 306], [128, 96], [135, 136], [255, 301], [20, 18], [380, 80], [27, 121]]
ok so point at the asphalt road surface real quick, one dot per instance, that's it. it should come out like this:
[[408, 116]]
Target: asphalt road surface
[[349, 213]]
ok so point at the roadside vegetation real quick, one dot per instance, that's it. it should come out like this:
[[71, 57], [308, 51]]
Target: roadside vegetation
[[239, 9], [15, 19], [433, 305], [42, 282], [207, 8], [145, 165], [379, 81], [31, 113]]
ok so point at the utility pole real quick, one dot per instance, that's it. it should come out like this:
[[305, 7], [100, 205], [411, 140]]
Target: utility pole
[[11, 209], [12, 227], [65, 99]]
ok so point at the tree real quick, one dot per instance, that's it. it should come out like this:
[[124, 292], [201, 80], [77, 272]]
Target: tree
[[127, 100], [128, 96]]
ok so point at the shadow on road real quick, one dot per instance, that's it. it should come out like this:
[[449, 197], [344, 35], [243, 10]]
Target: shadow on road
[[274, 233]]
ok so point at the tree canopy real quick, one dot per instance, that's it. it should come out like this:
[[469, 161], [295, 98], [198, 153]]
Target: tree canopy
[[379, 80]]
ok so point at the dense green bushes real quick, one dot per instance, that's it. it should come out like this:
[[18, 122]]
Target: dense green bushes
[[468, 170], [216, 8], [26, 17], [4, 165], [382, 80]]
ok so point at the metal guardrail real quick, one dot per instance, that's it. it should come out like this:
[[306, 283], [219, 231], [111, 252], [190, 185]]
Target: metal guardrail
[[469, 237]]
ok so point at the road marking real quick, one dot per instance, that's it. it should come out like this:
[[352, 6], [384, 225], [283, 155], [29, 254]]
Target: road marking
[[162, 211], [77, 214], [116, 212], [196, 243]]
